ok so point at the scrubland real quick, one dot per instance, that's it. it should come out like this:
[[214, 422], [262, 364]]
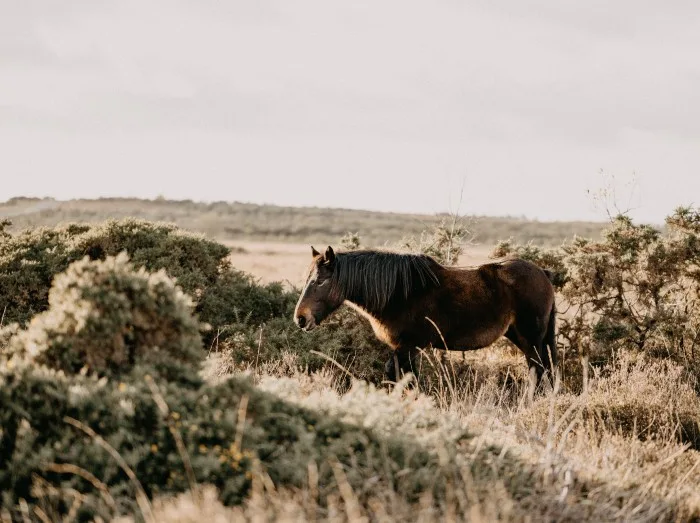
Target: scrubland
[[144, 378]]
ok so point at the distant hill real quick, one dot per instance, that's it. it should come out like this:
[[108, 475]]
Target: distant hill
[[231, 221]]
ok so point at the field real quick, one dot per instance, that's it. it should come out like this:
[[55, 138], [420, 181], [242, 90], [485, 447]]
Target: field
[[287, 262], [125, 395], [272, 242]]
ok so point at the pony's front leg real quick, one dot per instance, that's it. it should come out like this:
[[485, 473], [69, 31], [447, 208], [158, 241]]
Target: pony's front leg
[[401, 361]]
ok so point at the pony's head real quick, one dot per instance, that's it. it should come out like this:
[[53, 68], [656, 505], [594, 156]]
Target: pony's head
[[319, 298]]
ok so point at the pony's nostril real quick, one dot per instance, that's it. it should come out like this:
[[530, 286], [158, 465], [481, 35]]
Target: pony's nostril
[[301, 321]]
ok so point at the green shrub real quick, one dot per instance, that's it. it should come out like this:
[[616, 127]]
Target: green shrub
[[194, 261], [224, 297], [637, 288], [284, 438], [236, 301], [30, 259], [345, 338], [351, 241], [109, 316]]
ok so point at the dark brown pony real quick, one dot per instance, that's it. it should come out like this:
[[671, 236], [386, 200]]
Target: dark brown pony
[[471, 307]]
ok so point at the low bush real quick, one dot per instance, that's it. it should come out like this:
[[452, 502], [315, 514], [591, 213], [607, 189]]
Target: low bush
[[236, 302], [29, 260], [344, 339], [222, 447], [108, 316], [637, 288]]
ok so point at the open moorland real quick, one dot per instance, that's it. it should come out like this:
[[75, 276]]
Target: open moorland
[[145, 377], [272, 242], [228, 222]]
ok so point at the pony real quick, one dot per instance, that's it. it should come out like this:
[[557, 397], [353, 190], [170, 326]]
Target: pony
[[414, 302]]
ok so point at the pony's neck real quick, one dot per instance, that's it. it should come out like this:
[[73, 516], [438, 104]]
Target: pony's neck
[[376, 282], [360, 303]]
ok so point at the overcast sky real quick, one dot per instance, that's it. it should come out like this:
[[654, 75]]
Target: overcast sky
[[375, 104]]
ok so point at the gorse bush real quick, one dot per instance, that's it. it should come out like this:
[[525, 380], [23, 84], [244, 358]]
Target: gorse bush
[[345, 339], [108, 316], [222, 446], [30, 259], [232, 302], [637, 288], [222, 295], [351, 241], [445, 241], [238, 302]]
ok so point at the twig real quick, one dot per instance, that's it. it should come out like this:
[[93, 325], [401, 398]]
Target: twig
[[352, 505], [455, 216], [438, 331], [215, 341], [41, 515], [326, 357], [240, 422], [68, 468], [257, 356]]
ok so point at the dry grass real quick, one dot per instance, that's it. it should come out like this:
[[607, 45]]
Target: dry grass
[[616, 453]]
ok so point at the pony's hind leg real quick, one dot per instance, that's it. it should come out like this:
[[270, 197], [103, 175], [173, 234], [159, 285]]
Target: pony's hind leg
[[401, 361], [531, 350]]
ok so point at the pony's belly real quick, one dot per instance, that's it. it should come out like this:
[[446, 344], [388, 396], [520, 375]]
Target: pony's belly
[[479, 340], [466, 347]]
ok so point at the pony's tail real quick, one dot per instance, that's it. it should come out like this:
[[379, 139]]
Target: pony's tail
[[550, 357]]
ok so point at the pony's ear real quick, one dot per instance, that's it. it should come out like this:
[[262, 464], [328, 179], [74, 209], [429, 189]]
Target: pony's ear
[[329, 256], [314, 252]]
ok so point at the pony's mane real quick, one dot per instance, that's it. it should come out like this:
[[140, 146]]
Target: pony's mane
[[377, 276]]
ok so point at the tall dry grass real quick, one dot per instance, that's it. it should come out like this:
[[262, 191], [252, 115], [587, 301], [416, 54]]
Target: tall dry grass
[[617, 453]]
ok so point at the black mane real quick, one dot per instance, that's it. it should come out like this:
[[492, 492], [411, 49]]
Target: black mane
[[377, 276]]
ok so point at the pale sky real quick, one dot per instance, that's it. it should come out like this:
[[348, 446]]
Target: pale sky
[[375, 104]]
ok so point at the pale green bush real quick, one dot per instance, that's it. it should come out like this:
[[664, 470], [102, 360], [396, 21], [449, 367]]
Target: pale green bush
[[109, 316]]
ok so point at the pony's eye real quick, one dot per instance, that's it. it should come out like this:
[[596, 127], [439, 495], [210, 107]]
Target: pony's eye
[[322, 283]]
